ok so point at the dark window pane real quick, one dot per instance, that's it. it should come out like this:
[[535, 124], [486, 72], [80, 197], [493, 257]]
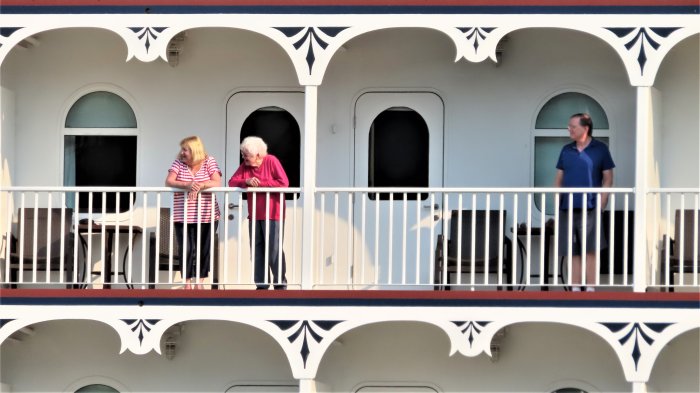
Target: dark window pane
[[281, 133], [96, 160], [398, 152]]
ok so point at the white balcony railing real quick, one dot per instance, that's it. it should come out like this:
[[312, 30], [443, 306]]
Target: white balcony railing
[[675, 236], [362, 238]]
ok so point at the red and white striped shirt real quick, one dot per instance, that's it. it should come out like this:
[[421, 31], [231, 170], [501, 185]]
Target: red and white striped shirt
[[183, 173]]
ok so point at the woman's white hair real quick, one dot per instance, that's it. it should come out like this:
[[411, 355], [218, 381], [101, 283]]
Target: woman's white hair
[[254, 145]]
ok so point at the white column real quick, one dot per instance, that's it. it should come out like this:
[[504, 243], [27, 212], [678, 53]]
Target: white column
[[641, 184], [639, 387], [308, 186], [307, 386]]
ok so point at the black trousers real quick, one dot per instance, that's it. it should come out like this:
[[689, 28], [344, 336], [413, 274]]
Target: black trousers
[[275, 267], [190, 256]]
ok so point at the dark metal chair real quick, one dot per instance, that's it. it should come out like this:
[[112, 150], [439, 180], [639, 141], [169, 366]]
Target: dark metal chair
[[618, 239], [447, 263], [690, 230], [45, 242]]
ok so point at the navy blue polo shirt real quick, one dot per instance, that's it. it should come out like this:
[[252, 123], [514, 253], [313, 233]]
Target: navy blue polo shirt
[[583, 169]]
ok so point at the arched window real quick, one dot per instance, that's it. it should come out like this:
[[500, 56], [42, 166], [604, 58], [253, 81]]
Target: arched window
[[281, 133], [99, 149], [101, 109], [97, 388], [263, 387], [398, 151], [551, 135]]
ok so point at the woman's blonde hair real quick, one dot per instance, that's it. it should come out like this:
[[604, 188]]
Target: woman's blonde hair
[[194, 143]]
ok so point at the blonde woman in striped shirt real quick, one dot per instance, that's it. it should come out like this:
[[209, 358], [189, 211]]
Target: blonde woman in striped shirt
[[194, 171]]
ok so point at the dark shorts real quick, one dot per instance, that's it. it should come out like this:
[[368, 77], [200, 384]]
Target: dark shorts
[[576, 232]]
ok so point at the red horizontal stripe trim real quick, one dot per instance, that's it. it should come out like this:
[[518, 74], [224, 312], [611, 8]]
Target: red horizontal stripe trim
[[339, 294], [521, 3]]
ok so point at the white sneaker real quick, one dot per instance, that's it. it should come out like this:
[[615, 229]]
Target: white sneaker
[[590, 289], [575, 289]]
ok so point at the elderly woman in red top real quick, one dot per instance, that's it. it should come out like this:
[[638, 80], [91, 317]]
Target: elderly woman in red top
[[193, 171], [260, 169]]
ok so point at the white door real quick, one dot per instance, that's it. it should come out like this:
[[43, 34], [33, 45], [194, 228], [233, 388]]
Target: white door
[[235, 265], [399, 236]]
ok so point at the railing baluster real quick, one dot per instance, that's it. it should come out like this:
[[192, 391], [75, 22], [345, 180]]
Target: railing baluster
[[472, 272], [144, 225], [528, 240], [570, 226], [457, 241], [62, 250], [555, 253], [680, 238], [611, 242], [419, 226], [294, 233], [584, 239], [543, 235], [501, 235], [348, 245], [376, 237], [625, 236], [267, 279], [487, 240], [49, 222], [431, 268], [445, 212], [322, 239], [239, 240], [404, 228], [224, 218], [390, 241], [22, 230], [35, 238], [115, 259], [514, 252], [334, 254], [363, 238], [667, 257], [696, 228]]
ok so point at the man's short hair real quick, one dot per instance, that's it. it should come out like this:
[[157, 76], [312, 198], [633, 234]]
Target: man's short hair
[[584, 120]]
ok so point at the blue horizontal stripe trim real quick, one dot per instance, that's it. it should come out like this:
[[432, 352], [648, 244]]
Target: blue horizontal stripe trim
[[350, 9], [319, 302]]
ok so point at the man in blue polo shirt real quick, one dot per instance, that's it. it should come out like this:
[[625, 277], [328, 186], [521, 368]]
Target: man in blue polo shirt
[[585, 162]]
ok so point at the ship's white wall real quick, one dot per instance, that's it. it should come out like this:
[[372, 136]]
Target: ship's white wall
[[678, 82], [7, 151], [170, 102], [212, 356], [680, 358], [490, 110], [532, 358]]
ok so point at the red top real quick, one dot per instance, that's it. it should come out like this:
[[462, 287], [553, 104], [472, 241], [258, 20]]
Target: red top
[[271, 174]]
